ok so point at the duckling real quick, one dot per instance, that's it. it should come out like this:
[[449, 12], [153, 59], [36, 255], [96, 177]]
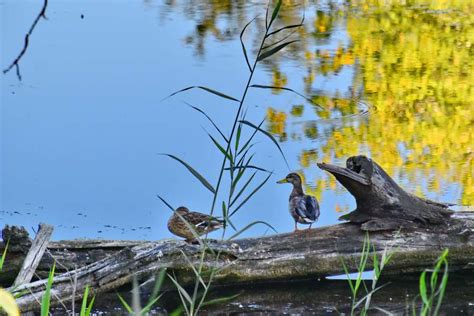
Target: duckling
[[201, 223], [303, 208]]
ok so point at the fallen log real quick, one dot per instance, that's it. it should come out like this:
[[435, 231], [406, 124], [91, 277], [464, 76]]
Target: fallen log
[[381, 203], [312, 254]]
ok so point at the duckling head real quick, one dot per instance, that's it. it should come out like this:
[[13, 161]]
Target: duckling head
[[182, 210], [292, 178]]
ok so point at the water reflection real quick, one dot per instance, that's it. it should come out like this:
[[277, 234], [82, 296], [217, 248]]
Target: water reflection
[[393, 81], [412, 63]]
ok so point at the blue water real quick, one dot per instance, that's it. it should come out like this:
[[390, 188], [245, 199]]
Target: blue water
[[82, 132]]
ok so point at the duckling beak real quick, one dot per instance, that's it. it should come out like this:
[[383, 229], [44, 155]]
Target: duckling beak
[[283, 181]]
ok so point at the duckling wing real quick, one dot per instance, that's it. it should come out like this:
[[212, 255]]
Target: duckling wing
[[204, 222], [312, 207], [307, 208]]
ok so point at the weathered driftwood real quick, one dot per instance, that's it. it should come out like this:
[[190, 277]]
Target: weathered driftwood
[[315, 253], [381, 203], [34, 255]]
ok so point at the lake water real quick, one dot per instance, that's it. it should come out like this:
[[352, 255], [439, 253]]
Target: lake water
[[82, 132]]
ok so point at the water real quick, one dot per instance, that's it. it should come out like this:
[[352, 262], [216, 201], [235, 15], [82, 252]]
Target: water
[[82, 132]]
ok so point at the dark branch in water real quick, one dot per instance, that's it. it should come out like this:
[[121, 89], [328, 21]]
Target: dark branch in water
[[15, 63]]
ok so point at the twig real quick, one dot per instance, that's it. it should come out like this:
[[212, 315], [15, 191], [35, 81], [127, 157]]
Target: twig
[[15, 63], [34, 255]]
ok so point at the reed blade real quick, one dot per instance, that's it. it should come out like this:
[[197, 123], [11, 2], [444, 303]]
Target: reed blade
[[269, 136], [243, 45], [261, 86], [193, 172], [249, 226], [275, 13], [274, 50], [166, 203], [210, 120], [215, 92]]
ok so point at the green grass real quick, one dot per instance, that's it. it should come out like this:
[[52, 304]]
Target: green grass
[[135, 308], [4, 255], [46, 299], [361, 305], [432, 289]]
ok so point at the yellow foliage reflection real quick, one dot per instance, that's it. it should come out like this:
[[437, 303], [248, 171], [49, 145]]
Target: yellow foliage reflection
[[412, 63]]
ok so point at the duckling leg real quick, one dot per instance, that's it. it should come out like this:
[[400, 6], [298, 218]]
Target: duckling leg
[[192, 241], [310, 226]]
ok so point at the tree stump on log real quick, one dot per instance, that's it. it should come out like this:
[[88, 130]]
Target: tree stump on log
[[381, 203]]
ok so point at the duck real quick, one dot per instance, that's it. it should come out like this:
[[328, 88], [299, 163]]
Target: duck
[[303, 208], [201, 223]]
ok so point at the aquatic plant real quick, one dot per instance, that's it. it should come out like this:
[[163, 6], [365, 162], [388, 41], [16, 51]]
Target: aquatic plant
[[7, 300], [362, 305], [136, 308], [46, 299], [432, 293], [86, 308], [4, 255]]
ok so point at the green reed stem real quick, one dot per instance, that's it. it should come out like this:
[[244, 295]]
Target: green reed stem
[[236, 120]]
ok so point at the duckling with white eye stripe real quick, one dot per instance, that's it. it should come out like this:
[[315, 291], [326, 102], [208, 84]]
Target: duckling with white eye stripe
[[303, 208]]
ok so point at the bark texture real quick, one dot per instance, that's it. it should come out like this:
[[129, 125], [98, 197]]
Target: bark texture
[[381, 203], [308, 254]]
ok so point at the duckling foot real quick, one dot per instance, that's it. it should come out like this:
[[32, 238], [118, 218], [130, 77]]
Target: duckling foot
[[192, 241]]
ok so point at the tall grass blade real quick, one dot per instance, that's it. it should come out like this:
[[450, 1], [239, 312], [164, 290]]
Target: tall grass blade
[[194, 173], [4, 254], [423, 291], [284, 38], [237, 137], [210, 120], [269, 136], [288, 26], [84, 301], [225, 215], [125, 304], [196, 273], [444, 282], [220, 300], [369, 294], [250, 167], [136, 305], [275, 13], [261, 86], [150, 304], [243, 45], [349, 280], [242, 189], [274, 50], [166, 203], [249, 226], [221, 149], [181, 290], [220, 94], [89, 307], [250, 195], [248, 142], [386, 312], [158, 283], [45, 301]]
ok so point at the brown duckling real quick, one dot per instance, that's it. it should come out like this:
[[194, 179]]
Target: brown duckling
[[201, 223], [303, 208]]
